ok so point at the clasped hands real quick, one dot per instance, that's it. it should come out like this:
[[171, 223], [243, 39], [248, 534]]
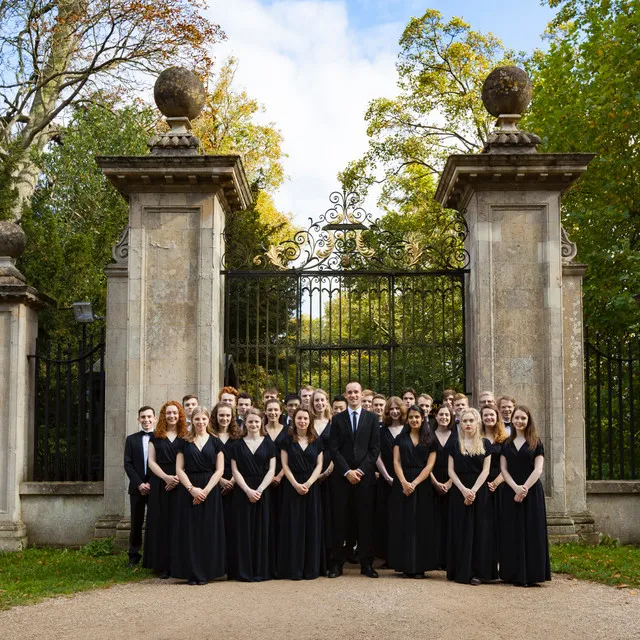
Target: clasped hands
[[521, 493], [354, 476], [171, 482]]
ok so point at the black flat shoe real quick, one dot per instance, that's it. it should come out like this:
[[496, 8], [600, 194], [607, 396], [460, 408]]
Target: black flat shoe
[[475, 581], [419, 576], [163, 576], [192, 582], [370, 572], [202, 582]]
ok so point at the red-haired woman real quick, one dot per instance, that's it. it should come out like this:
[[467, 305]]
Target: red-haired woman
[[226, 429], [201, 554], [524, 545], [301, 551], [253, 463], [393, 420], [163, 448]]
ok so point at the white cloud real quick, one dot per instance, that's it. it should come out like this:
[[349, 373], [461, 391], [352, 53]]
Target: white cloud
[[315, 75]]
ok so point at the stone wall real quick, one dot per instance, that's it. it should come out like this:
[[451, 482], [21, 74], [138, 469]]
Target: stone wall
[[615, 506], [61, 514]]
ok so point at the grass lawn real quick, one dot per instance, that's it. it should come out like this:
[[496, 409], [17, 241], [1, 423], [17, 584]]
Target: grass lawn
[[617, 566], [29, 576]]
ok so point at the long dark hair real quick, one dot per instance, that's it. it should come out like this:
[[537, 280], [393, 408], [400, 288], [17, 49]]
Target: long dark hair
[[312, 434], [426, 436], [530, 432]]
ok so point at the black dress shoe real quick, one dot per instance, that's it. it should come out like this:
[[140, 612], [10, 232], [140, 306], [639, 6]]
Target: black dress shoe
[[163, 576], [133, 562], [192, 582], [475, 582], [370, 572], [334, 572]]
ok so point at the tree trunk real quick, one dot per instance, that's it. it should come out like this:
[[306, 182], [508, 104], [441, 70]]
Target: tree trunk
[[37, 132]]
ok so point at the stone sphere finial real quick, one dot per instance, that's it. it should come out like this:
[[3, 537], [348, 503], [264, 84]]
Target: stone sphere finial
[[179, 93], [507, 90], [12, 239]]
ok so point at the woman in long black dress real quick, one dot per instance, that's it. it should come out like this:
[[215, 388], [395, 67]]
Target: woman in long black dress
[[253, 464], [301, 551], [412, 548], [524, 545], [321, 420], [201, 554], [393, 421], [469, 557], [277, 432], [494, 431], [441, 481], [226, 429], [163, 448]]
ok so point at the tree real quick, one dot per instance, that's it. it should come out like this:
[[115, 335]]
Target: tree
[[441, 68], [587, 98], [54, 54], [76, 215]]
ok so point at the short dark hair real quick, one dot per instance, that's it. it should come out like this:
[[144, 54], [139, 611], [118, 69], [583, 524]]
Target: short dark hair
[[410, 390], [339, 398], [146, 408], [189, 396], [244, 395], [291, 396]]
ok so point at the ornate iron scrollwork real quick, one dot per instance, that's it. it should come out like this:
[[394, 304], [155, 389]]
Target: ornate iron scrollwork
[[346, 237]]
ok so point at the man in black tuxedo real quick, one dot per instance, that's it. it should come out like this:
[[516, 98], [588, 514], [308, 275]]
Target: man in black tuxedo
[[136, 456], [354, 441]]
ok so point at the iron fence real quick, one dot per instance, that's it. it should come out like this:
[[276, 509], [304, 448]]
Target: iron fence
[[612, 392], [69, 409]]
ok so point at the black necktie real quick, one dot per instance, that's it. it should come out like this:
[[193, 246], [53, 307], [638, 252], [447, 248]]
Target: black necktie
[[354, 417]]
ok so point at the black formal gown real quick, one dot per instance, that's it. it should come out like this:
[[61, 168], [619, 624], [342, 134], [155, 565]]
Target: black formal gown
[[158, 540], [276, 491], [325, 499], [199, 550], [227, 508], [254, 557], [412, 531], [383, 491], [469, 552], [524, 545], [301, 548], [495, 497], [441, 501]]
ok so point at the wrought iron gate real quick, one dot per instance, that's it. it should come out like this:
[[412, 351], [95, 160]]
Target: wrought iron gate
[[349, 299]]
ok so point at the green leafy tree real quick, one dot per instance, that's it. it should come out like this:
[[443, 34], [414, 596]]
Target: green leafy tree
[[55, 54], [76, 214], [587, 98], [438, 110]]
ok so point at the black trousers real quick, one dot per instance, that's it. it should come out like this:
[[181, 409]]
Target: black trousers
[[353, 509], [138, 506]]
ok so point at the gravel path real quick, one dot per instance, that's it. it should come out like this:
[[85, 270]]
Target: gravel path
[[351, 607]]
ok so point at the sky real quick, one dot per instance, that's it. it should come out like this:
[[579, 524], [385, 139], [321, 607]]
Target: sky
[[316, 64]]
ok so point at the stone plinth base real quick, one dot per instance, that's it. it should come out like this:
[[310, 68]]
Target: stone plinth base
[[121, 541], [106, 526], [565, 527], [13, 536]]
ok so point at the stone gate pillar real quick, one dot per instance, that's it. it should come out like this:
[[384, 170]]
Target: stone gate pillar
[[518, 341], [19, 305], [165, 298]]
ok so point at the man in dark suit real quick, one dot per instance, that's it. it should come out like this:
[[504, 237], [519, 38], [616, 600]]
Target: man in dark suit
[[136, 456], [354, 441]]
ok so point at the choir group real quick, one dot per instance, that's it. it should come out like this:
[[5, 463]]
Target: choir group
[[260, 494]]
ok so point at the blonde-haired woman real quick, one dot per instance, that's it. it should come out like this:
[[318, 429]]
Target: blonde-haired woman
[[320, 414], [469, 557], [199, 525]]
